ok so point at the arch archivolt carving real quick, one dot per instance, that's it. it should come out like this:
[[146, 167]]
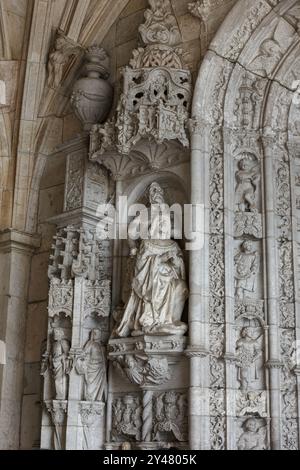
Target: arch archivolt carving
[[251, 139]]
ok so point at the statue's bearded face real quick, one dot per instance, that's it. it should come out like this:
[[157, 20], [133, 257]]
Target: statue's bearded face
[[156, 195]]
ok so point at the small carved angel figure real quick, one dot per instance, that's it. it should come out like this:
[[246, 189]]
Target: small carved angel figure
[[247, 177], [253, 437]]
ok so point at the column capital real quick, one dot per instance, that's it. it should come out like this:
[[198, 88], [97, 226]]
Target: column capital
[[23, 242]]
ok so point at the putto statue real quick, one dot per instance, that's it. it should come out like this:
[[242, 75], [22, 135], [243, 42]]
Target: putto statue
[[247, 177], [246, 270], [159, 288]]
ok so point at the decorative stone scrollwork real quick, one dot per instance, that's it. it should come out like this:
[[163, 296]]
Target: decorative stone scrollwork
[[251, 403], [248, 224], [60, 297], [255, 15], [170, 417], [217, 433], [250, 309], [97, 298], [127, 420]]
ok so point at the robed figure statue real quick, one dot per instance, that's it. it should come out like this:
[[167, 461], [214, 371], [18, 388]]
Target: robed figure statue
[[159, 288]]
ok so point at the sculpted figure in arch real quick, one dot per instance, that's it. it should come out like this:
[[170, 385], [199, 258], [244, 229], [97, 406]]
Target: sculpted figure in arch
[[92, 365], [247, 177], [246, 269], [249, 352], [60, 363], [159, 288]]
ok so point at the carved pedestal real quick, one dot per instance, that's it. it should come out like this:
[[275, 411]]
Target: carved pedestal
[[153, 417]]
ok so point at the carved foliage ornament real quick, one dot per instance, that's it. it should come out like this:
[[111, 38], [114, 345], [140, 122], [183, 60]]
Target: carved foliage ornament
[[157, 91]]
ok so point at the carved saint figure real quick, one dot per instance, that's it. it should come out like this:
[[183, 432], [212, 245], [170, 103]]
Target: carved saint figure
[[254, 437], [247, 177], [159, 289], [61, 52], [246, 268], [93, 367], [60, 363], [249, 352]]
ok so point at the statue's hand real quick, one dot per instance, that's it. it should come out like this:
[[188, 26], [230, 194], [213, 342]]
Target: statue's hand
[[133, 252]]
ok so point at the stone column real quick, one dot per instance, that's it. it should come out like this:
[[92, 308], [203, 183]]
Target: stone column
[[16, 250], [198, 349], [272, 294], [79, 300]]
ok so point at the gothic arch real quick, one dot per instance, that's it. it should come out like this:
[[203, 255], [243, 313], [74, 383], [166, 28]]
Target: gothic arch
[[245, 104]]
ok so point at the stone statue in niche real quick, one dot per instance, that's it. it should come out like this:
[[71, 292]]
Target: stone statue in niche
[[253, 437], [92, 365], [249, 353], [246, 269], [247, 177], [60, 363], [159, 288]]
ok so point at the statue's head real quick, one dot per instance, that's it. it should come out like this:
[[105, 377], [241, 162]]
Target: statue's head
[[95, 334], [247, 247], [247, 160], [58, 334], [156, 194], [251, 425]]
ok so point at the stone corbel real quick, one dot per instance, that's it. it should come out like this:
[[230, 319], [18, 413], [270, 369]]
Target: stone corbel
[[145, 360]]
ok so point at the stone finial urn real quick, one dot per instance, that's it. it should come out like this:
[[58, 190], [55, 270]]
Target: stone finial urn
[[92, 95]]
